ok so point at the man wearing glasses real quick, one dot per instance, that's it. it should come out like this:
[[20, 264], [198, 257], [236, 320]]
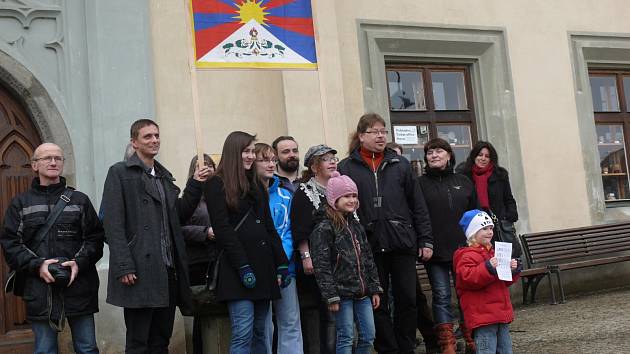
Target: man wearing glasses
[[73, 244], [396, 219]]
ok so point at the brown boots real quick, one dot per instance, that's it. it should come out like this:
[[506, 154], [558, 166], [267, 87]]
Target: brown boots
[[471, 348], [446, 337]]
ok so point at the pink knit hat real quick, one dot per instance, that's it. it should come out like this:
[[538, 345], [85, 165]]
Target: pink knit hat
[[337, 187]]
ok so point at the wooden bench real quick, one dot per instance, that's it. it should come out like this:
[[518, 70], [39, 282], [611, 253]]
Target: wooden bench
[[576, 248], [423, 277]]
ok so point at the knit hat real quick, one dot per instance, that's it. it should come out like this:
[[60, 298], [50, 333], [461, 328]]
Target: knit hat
[[473, 221], [337, 187]]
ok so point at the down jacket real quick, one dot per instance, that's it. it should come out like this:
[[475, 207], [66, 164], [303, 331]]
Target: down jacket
[[393, 209], [483, 297], [342, 260], [77, 234], [500, 195]]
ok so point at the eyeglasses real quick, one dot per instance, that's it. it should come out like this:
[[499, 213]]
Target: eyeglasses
[[330, 159], [274, 161], [377, 132], [50, 159]]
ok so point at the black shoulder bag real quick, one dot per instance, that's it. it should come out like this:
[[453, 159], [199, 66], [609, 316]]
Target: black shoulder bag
[[505, 232], [16, 279], [204, 297]]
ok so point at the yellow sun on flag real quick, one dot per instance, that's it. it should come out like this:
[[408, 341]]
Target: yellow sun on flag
[[250, 9]]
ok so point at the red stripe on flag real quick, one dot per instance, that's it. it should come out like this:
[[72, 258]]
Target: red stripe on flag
[[277, 3], [299, 25], [212, 7], [207, 39]]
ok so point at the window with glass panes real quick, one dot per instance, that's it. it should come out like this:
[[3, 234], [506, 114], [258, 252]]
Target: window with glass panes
[[428, 101], [610, 90]]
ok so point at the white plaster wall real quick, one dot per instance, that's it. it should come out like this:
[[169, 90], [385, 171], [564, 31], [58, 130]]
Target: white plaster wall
[[317, 106]]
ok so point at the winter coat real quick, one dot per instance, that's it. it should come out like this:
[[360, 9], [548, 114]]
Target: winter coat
[[280, 205], [199, 249], [133, 223], [342, 260], [306, 201], [448, 195], [76, 234], [483, 297], [500, 196], [195, 232], [393, 209], [255, 243]]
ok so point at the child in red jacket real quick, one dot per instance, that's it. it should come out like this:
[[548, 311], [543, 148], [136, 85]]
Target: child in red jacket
[[484, 299]]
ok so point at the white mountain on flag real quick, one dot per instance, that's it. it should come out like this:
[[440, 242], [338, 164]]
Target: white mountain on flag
[[252, 42]]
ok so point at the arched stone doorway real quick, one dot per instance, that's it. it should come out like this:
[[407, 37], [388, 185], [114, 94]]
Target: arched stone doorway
[[18, 140]]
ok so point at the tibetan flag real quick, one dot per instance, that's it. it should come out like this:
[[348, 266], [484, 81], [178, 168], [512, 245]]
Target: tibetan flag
[[254, 34]]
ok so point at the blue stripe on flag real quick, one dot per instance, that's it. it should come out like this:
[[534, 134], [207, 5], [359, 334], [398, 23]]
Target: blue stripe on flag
[[203, 21], [299, 43], [299, 8]]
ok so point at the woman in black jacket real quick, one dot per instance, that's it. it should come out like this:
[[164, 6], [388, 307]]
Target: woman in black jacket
[[200, 247], [253, 263], [321, 162], [448, 196], [491, 181]]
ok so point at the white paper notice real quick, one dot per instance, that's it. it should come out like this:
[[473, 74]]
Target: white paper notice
[[406, 134], [503, 252]]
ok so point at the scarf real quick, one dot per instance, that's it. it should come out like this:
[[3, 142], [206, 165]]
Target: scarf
[[480, 177]]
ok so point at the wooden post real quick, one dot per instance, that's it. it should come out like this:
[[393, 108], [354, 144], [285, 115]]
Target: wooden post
[[193, 80]]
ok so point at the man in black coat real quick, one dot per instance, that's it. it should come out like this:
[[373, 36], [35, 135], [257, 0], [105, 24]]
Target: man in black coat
[[148, 271], [394, 214], [76, 236]]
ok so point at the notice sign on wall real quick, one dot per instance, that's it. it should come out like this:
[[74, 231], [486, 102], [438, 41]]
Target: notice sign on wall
[[406, 134]]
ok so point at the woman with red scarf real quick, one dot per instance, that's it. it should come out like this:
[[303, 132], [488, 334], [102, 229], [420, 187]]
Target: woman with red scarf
[[491, 181]]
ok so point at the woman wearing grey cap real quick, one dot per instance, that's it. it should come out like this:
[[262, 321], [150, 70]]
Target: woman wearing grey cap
[[321, 162]]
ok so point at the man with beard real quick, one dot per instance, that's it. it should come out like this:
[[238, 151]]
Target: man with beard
[[288, 154]]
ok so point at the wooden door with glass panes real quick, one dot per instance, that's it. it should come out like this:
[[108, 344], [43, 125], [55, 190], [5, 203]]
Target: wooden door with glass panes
[[437, 101], [610, 92], [18, 139]]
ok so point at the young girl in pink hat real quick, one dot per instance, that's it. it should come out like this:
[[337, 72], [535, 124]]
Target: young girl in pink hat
[[344, 267]]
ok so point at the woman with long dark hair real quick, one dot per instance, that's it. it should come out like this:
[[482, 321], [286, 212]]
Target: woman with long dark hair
[[448, 196], [253, 263], [491, 182]]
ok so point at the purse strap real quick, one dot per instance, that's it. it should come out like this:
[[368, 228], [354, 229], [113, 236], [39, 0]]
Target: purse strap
[[64, 199], [215, 269]]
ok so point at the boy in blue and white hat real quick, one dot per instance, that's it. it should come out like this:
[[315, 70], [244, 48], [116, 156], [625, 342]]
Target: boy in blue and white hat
[[484, 298]]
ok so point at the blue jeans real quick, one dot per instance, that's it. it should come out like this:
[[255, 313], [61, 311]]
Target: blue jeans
[[357, 311], [440, 274], [83, 336], [289, 328], [493, 339], [249, 326]]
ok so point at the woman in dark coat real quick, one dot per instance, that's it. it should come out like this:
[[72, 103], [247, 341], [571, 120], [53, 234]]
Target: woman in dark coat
[[448, 196], [491, 181], [200, 247], [253, 263], [321, 162]]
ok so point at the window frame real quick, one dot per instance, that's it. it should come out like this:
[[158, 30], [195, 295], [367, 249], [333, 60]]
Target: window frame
[[621, 117]]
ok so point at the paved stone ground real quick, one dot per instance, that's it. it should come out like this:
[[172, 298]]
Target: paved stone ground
[[586, 324], [589, 323]]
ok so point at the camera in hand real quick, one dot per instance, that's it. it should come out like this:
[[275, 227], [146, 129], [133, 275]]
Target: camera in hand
[[59, 272]]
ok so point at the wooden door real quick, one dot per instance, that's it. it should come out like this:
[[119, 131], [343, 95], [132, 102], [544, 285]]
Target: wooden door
[[18, 139]]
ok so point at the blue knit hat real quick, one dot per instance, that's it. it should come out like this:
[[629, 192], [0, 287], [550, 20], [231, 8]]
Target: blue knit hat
[[473, 221]]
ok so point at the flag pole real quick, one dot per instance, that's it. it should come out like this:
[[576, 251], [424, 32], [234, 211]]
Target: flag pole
[[320, 79], [193, 81]]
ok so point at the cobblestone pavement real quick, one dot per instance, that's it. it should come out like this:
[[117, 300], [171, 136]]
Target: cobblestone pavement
[[589, 323], [595, 323]]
